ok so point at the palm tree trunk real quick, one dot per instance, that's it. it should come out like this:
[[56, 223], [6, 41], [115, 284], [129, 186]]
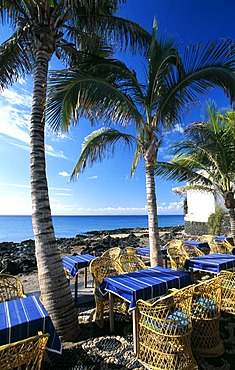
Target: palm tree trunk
[[154, 240], [55, 291], [231, 212]]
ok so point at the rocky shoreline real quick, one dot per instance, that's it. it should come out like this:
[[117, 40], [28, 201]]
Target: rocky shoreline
[[18, 258]]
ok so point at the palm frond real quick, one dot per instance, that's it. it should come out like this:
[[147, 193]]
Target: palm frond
[[16, 59], [176, 171], [205, 69], [103, 90], [98, 144], [138, 154]]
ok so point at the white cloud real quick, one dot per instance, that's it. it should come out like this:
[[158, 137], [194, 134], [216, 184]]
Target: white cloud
[[92, 178], [16, 185], [178, 128], [51, 152], [60, 189], [17, 98], [14, 121], [172, 206], [63, 194], [64, 174], [12, 124]]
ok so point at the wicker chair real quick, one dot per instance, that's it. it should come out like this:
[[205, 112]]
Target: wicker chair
[[209, 239], [205, 312], [173, 243], [26, 354], [100, 268], [130, 250], [164, 330], [10, 288], [131, 262], [112, 252], [224, 247], [227, 291], [177, 256], [192, 251]]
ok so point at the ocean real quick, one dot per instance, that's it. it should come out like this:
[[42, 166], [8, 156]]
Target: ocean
[[19, 228]]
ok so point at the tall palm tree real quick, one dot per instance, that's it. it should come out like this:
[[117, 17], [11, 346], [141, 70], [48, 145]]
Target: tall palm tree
[[112, 91], [206, 158], [70, 29]]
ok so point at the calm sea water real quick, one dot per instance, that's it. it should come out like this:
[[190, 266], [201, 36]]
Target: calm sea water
[[19, 228]]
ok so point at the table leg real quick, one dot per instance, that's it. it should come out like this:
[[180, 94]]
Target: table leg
[[165, 260], [111, 314], [85, 277], [134, 324], [76, 287]]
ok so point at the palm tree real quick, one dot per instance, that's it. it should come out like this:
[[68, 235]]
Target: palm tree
[[206, 158], [112, 91], [69, 29]]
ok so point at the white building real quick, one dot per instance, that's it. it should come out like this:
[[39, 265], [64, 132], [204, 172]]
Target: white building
[[201, 204]]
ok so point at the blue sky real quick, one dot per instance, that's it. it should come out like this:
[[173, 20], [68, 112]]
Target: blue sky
[[105, 188]]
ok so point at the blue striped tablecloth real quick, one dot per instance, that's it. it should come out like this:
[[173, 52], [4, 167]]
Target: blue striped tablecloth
[[74, 263], [203, 246], [145, 251], [25, 317], [221, 238], [211, 262], [144, 284]]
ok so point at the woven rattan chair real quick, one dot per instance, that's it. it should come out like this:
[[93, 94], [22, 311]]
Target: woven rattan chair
[[192, 251], [112, 252], [131, 262], [130, 250], [224, 247], [10, 288], [205, 312], [26, 354], [227, 291], [177, 256], [173, 243], [100, 268], [164, 332], [209, 239]]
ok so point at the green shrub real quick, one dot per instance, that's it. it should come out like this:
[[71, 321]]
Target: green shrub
[[215, 221]]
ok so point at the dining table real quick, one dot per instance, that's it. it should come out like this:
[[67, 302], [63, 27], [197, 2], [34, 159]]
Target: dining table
[[23, 318], [74, 263], [145, 252], [212, 263], [143, 284], [202, 245], [222, 238]]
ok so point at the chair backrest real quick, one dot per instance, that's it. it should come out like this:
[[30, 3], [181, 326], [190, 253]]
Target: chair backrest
[[224, 247], [228, 291], [206, 301], [26, 354], [162, 324], [192, 251], [173, 243], [130, 250], [10, 288], [112, 252], [131, 262], [102, 267], [209, 239], [177, 255]]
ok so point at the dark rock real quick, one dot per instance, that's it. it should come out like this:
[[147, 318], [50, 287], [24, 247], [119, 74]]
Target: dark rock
[[18, 258]]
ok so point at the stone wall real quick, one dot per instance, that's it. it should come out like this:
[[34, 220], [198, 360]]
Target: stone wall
[[202, 228], [196, 228], [225, 227]]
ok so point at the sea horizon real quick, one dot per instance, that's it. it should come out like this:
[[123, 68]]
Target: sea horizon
[[15, 228]]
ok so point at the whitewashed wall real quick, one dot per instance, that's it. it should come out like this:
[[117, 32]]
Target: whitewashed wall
[[201, 205]]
